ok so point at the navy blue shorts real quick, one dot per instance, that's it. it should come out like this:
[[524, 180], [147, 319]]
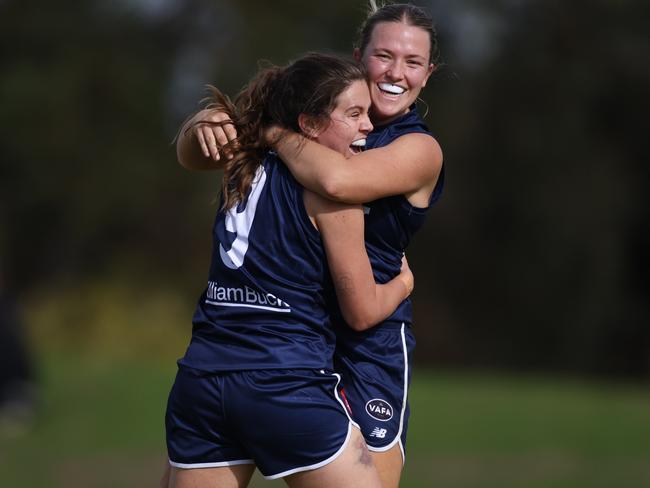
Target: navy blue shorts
[[376, 373], [283, 421]]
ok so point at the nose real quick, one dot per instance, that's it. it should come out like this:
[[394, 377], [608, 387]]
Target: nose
[[395, 71], [366, 125]]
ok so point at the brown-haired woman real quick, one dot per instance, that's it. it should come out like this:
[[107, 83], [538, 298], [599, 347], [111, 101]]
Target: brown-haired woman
[[256, 386], [398, 179]]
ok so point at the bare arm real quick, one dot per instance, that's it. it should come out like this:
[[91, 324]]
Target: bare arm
[[363, 302], [199, 142], [408, 165]]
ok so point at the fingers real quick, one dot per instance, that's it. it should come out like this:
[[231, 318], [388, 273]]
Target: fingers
[[202, 144], [405, 263], [218, 138], [212, 138], [229, 130], [208, 134], [409, 278], [221, 134]]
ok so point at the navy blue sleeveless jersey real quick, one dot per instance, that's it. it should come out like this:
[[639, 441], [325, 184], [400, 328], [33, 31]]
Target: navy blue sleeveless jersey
[[375, 364], [265, 304], [391, 222]]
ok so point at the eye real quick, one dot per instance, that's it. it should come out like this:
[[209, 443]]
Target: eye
[[414, 63]]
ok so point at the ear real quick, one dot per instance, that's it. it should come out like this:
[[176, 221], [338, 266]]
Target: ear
[[356, 54], [432, 67], [308, 126]]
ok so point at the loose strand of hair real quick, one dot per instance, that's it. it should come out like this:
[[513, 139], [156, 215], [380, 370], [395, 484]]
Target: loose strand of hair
[[248, 149]]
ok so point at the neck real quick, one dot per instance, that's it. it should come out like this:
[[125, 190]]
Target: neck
[[378, 120]]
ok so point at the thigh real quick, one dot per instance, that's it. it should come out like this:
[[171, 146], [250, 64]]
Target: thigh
[[375, 368], [198, 435], [354, 468], [226, 477], [289, 420], [389, 465]]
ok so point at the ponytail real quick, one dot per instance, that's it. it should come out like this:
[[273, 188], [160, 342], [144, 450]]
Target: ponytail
[[277, 96], [248, 114]]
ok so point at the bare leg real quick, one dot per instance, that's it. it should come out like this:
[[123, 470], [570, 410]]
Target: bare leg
[[237, 476], [164, 481], [353, 468], [389, 465]]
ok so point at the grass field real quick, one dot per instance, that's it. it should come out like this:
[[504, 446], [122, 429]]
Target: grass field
[[100, 424]]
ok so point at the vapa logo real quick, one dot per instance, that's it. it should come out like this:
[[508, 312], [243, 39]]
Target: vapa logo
[[378, 433], [379, 409]]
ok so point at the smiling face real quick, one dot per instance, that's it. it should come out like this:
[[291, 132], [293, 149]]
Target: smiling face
[[348, 124], [397, 60]]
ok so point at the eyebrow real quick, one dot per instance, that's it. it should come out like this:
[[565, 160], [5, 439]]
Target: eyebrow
[[356, 107], [389, 51]]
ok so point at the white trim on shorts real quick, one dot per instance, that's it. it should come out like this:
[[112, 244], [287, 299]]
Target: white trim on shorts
[[338, 398], [222, 464], [398, 437], [351, 423]]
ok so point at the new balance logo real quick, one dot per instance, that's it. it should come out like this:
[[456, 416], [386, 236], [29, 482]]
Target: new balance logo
[[378, 433]]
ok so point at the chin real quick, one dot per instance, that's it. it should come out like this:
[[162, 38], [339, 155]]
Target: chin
[[387, 114]]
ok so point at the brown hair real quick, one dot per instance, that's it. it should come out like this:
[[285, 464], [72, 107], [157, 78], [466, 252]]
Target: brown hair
[[277, 96], [404, 13]]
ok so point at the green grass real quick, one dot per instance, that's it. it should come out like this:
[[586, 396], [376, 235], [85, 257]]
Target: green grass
[[100, 424], [482, 431]]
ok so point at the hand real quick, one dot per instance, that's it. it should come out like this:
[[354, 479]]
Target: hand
[[406, 275], [210, 136]]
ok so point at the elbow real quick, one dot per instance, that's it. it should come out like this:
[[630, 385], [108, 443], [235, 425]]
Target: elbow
[[335, 188], [362, 326], [359, 321], [188, 164], [193, 160], [183, 163], [181, 155]]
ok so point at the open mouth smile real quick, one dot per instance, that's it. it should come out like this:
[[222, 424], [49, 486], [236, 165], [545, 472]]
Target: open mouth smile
[[390, 89], [357, 146]]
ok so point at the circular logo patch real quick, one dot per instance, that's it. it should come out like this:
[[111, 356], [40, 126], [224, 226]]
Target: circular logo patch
[[379, 409]]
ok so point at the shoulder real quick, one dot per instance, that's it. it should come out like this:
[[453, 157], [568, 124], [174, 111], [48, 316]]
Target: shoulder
[[423, 141], [418, 148]]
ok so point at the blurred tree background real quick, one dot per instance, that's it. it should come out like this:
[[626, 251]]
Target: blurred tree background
[[536, 258]]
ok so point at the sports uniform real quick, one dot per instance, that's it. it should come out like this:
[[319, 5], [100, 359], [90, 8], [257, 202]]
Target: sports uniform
[[375, 364], [256, 384]]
